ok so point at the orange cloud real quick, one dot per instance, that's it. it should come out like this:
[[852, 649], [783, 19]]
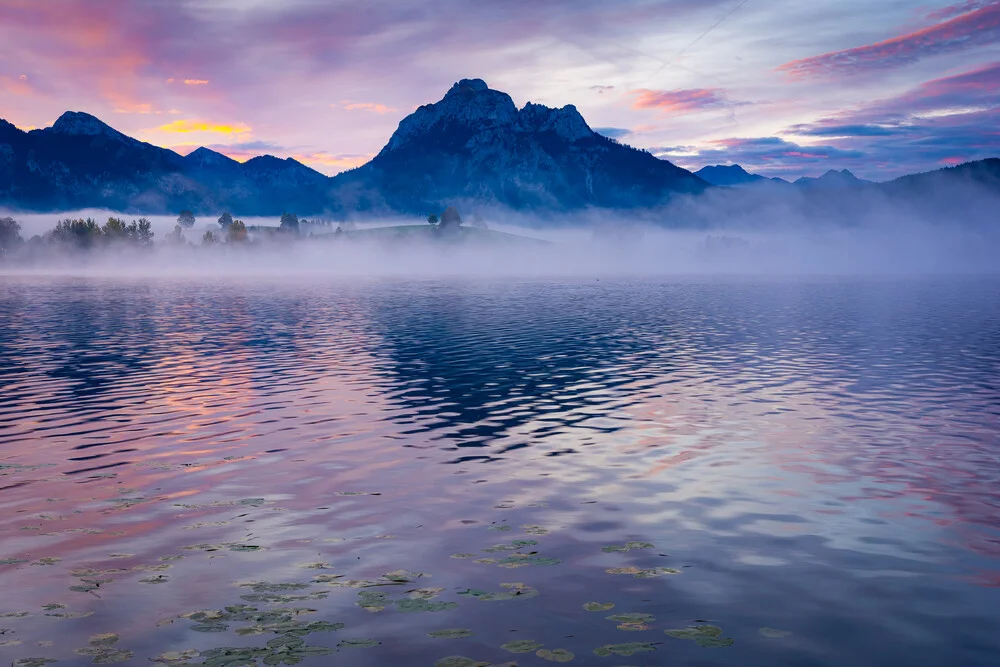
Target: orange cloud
[[366, 106], [184, 126], [195, 82]]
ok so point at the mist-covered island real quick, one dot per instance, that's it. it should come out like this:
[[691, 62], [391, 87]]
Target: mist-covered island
[[676, 343]]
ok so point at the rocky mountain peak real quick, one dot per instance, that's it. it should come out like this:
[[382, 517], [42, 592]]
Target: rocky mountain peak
[[83, 124], [565, 122], [470, 105]]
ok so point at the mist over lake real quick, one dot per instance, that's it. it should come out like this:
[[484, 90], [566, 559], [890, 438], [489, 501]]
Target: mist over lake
[[648, 470]]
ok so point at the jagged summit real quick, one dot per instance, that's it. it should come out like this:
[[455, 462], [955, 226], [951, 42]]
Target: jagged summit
[[475, 145]]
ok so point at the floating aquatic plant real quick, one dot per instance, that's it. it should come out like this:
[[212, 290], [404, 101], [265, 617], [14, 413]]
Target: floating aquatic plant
[[555, 655], [451, 633], [598, 606], [628, 546], [358, 643], [522, 646], [624, 649], [459, 661], [709, 636], [639, 573], [102, 651], [34, 662], [535, 530], [511, 592]]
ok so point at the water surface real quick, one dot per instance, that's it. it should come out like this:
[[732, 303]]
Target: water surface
[[808, 470]]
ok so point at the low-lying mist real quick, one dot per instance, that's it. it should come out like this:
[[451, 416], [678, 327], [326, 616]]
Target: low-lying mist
[[717, 236]]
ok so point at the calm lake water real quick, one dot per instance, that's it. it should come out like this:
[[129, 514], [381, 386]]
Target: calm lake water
[[754, 473]]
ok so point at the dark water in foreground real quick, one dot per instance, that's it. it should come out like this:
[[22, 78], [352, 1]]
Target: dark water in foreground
[[810, 472]]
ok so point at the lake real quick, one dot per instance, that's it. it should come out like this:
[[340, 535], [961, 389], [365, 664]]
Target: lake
[[467, 472]]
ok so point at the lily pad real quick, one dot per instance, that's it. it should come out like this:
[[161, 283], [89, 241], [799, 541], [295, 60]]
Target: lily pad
[[34, 662], [522, 646], [174, 657], [628, 546], [451, 633], [512, 591], [695, 632], [598, 606], [643, 573], [556, 655], [358, 643], [708, 636], [632, 622], [458, 556], [459, 661], [15, 561], [535, 530], [420, 604], [624, 649]]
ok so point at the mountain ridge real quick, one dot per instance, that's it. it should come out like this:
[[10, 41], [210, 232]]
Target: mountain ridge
[[473, 148]]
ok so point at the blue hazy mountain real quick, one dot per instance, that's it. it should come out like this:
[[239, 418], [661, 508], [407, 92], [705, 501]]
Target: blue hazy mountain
[[728, 175], [833, 179], [80, 162], [472, 147], [476, 145]]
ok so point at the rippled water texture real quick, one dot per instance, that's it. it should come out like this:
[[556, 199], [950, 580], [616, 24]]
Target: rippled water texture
[[753, 473]]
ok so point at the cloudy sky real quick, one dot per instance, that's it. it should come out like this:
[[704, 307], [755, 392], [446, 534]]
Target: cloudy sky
[[783, 87]]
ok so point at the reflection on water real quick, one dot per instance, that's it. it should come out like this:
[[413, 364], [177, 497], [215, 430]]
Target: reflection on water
[[397, 472]]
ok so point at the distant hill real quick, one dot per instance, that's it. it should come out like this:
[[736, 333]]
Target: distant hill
[[728, 175], [833, 179], [80, 162], [475, 145]]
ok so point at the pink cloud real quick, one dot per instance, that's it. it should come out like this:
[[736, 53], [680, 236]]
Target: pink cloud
[[195, 82], [978, 27], [678, 102], [367, 106], [958, 9]]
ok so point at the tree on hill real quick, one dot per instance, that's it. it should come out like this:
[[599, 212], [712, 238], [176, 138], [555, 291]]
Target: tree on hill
[[450, 219], [237, 232], [186, 219], [209, 238], [225, 220], [289, 222], [432, 219], [10, 234]]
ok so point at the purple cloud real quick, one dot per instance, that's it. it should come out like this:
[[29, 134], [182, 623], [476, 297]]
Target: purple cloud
[[975, 28]]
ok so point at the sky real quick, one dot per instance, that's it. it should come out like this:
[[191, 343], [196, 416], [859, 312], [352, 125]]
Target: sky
[[783, 87]]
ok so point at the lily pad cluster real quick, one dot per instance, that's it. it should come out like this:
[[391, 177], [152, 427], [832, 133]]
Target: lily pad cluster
[[102, 651], [626, 650]]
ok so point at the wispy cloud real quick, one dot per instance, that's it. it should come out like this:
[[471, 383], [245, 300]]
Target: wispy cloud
[[679, 101], [195, 82], [366, 106], [975, 28]]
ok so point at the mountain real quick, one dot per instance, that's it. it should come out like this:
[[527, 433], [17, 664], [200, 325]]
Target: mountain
[[833, 179], [728, 175], [81, 162], [476, 146]]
